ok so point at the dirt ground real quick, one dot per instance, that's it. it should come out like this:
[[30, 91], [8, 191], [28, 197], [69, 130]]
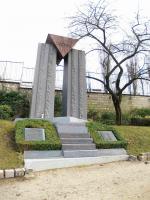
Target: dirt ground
[[113, 181]]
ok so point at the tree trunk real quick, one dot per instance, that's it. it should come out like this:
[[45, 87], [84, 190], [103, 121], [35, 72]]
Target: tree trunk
[[117, 105]]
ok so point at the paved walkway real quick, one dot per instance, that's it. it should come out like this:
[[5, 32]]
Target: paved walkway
[[113, 181]]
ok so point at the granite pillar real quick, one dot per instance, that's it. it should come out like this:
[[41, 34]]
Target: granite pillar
[[74, 85], [43, 91]]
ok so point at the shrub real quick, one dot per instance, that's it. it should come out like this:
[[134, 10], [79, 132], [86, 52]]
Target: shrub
[[5, 112], [140, 121], [93, 114], [18, 102], [52, 141], [126, 118], [140, 117], [141, 112], [58, 105], [108, 118], [94, 127]]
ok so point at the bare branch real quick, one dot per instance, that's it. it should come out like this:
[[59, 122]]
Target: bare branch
[[97, 22]]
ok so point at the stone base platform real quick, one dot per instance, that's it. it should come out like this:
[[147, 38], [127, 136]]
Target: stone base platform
[[44, 160], [78, 149], [68, 120]]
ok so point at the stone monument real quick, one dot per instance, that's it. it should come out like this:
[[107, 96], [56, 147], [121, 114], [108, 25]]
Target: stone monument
[[49, 55], [71, 128]]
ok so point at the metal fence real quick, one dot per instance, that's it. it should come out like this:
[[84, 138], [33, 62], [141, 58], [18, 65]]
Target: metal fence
[[143, 86], [17, 72]]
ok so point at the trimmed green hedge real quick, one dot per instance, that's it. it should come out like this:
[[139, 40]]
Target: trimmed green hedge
[[140, 121], [52, 141], [94, 127]]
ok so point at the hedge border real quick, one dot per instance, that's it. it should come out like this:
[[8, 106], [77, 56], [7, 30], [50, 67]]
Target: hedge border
[[140, 121], [52, 141], [94, 127]]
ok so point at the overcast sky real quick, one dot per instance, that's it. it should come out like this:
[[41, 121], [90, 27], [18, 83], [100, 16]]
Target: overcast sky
[[25, 23]]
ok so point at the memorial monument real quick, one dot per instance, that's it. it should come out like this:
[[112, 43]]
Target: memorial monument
[[72, 131], [49, 55]]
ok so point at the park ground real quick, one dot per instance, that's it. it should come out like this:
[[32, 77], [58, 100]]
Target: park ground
[[113, 181]]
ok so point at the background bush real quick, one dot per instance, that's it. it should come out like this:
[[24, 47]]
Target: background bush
[[127, 118], [108, 118], [141, 112], [140, 117], [58, 105], [140, 121], [93, 114], [17, 101], [5, 112], [103, 117], [20, 104]]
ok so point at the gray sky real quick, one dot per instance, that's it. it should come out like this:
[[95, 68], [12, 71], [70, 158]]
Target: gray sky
[[25, 23]]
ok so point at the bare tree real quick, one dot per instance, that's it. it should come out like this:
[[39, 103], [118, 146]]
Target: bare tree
[[105, 64], [132, 68], [97, 22], [147, 61]]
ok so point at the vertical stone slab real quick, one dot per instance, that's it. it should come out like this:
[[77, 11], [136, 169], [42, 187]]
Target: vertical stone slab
[[44, 83], [35, 82], [42, 76], [50, 84], [82, 86], [74, 85], [66, 96]]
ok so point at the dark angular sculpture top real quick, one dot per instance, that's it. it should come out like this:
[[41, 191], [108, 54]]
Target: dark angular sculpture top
[[62, 44]]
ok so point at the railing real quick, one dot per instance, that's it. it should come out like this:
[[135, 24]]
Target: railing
[[17, 72], [11, 71]]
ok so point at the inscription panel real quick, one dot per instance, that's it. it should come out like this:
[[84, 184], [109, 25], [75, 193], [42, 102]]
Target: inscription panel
[[34, 134]]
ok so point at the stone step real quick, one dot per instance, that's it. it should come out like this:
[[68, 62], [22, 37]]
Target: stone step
[[43, 154], [94, 153], [76, 140], [74, 135], [80, 153], [71, 129], [78, 146]]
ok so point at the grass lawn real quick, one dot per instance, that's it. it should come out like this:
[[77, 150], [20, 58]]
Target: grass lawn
[[9, 157], [138, 138]]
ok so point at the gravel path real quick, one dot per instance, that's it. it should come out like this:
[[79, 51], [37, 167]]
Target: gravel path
[[113, 181]]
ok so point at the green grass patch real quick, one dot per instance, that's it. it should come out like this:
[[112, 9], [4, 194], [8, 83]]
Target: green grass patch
[[9, 157], [52, 141], [94, 127], [138, 138]]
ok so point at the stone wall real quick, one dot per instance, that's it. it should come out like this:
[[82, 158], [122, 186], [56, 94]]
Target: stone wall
[[98, 101], [9, 86], [103, 102]]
